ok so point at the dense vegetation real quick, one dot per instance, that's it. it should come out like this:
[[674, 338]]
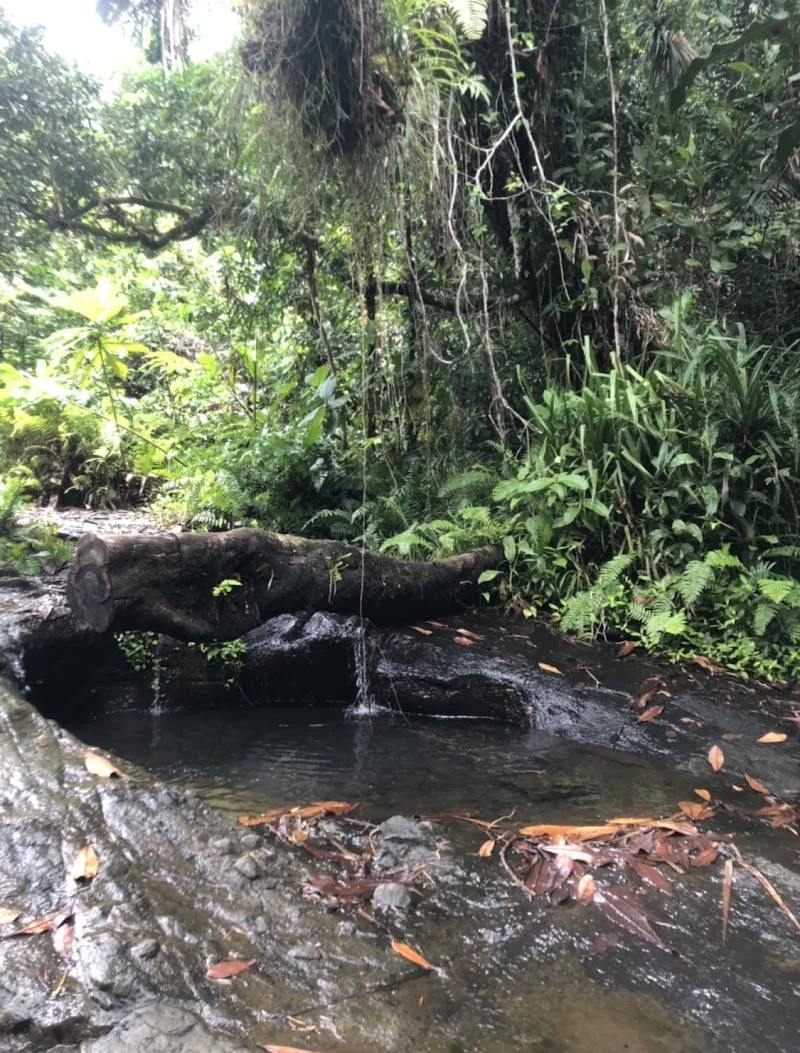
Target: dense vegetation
[[420, 274]]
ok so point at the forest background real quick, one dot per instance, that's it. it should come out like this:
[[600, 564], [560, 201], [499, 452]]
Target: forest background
[[422, 275]]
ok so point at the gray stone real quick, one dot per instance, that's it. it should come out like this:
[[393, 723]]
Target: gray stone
[[107, 967], [392, 896], [250, 841], [348, 928], [223, 845], [146, 949], [162, 1029], [305, 952], [248, 866]]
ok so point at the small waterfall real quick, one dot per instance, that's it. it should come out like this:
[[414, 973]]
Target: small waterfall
[[365, 704], [157, 703]]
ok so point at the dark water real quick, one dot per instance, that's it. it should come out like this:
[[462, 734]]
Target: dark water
[[259, 758]]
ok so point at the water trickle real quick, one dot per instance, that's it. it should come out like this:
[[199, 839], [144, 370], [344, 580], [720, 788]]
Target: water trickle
[[157, 703], [365, 704]]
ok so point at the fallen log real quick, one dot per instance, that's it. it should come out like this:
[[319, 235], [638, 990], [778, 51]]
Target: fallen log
[[207, 587]]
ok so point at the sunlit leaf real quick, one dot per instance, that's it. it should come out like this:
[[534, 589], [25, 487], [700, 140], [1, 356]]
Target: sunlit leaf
[[226, 970], [47, 923], [8, 915], [754, 784], [773, 736], [419, 629], [585, 889], [411, 955], [704, 795], [650, 714], [85, 865], [695, 810], [550, 669], [716, 758], [63, 939], [100, 766], [486, 848], [571, 833], [272, 1048]]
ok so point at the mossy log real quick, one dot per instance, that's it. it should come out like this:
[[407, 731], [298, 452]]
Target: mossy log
[[173, 583]]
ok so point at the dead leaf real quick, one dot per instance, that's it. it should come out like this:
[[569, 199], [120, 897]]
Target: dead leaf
[[419, 629], [47, 923], [437, 625], [773, 736], [85, 866], [767, 885], [310, 811], [695, 810], [650, 714], [550, 669], [272, 1048], [486, 848], [707, 664], [411, 955], [469, 635], [716, 758], [727, 884], [754, 784], [652, 875], [572, 833], [704, 795], [63, 939], [100, 766], [732, 736], [616, 906], [627, 648], [226, 970], [464, 641], [8, 915], [602, 943], [585, 889], [643, 700]]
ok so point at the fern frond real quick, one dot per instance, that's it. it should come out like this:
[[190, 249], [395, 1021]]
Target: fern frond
[[471, 16], [612, 571], [695, 580]]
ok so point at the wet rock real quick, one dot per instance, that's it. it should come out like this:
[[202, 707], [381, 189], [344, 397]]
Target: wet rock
[[348, 928], [163, 1029], [405, 843], [249, 866], [145, 950], [250, 841], [107, 968], [305, 952], [392, 896], [224, 846]]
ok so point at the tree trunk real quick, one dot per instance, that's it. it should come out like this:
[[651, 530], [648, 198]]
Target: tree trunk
[[167, 583]]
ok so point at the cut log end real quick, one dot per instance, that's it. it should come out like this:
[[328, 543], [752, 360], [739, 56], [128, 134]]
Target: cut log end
[[89, 586]]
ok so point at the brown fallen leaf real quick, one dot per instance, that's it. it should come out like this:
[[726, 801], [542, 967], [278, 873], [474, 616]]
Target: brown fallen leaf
[[464, 641], [86, 865], [727, 884], [651, 875], [469, 635], [707, 664], [716, 758], [100, 766], [650, 714], [437, 625], [585, 889], [754, 784], [643, 700], [773, 736], [63, 939], [616, 906], [627, 648], [47, 923], [550, 669], [419, 629], [704, 795], [695, 810], [228, 969], [311, 811], [411, 955], [8, 915], [272, 1048], [486, 848], [572, 833]]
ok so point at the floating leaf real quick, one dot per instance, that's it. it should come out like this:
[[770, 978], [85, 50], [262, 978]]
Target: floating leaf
[[486, 848], [419, 629], [754, 784], [727, 883], [704, 795], [716, 758], [8, 915], [695, 810], [85, 866], [411, 955], [650, 714], [616, 906], [571, 833], [228, 969], [550, 669], [627, 648], [100, 766], [773, 736]]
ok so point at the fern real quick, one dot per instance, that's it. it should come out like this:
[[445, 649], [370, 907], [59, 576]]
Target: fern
[[582, 612], [721, 557], [478, 481], [612, 571], [471, 16], [764, 616], [695, 579]]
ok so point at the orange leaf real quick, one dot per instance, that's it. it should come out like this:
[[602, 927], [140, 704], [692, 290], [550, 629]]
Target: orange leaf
[[437, 625], [47, 923], [754, 784], [650, 714], [100, 766], [585, 889], [486, 848], [627, 648], [272, 1048], [704, 795], [550, 669], [571, 833], [319, 808], [85, 866], [463, 641], [695, 810], [7, 915], [468, 634], [773, 736], [225, 970], [716, 758], [411, 955], [419, 629]]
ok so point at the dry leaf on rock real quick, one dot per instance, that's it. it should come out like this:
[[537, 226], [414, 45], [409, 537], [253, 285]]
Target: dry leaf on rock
[[704, 795], [486, 848], [773, 736], [754, 784], [63, 939], [8, 915], [550, 669], [572, 833], [411, 955], [100, 766], [585, 889], [272, 1048], [716, 758], [464, 641], [695, 810], [625, 649], [650, 714], [469, 635], [47, 923], [727, 883], [86, 864], [616, 906], [419, 629], [227, 970], [651, 875]]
